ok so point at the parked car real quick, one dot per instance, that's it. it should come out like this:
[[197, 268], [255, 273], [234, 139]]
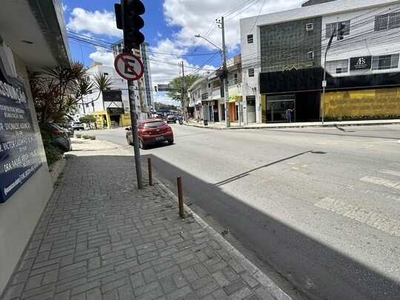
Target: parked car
[[68, 128], [77, 126], [59, 136], [151, 132], [171, 118]]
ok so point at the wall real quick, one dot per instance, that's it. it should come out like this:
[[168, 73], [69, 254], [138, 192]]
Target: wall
[[362, 39], [19, 215], [358, 103], [286, 46]]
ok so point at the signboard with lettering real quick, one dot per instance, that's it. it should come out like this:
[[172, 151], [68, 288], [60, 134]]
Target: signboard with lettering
[[19, 157], [360, 63], [112, 96]]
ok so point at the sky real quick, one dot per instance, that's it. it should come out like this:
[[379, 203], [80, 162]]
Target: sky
[[170, 27]]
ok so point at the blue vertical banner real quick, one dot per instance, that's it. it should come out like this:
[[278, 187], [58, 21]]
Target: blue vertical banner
[[19, 156]]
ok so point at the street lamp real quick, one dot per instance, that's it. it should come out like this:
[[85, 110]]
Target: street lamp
[[340, 31], [224, 70]]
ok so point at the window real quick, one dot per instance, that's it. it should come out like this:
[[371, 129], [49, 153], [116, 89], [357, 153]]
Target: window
[[337, 66], [333, 27], [387, 21], [310, 55], [385, 62], [105, 74], [251, 72], [249, 39], [235, 78], [309, 27]]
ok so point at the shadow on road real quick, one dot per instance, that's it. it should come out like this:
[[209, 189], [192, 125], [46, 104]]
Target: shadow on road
[[316, 270], [244, 174]]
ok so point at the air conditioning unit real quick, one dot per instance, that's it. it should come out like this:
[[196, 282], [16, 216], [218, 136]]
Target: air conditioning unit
[[310, 55], [309, 27]]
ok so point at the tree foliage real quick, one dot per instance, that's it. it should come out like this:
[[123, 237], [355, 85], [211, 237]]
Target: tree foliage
[[160, 106], [56, 91], [87, 119], [176, 85]]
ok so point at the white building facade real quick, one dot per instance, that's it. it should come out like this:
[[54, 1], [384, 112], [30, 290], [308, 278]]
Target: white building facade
[[283, 61]]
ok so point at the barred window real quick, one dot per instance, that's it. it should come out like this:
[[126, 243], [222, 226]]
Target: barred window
[[385, 62]]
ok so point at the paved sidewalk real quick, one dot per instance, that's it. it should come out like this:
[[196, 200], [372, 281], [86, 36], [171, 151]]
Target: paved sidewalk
[[100, 238], [235, 125]]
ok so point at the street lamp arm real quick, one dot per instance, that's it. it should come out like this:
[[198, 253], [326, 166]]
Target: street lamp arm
[[200, 36]]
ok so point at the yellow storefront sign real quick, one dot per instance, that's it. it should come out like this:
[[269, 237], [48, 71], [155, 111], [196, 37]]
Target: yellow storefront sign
[[359, 103]]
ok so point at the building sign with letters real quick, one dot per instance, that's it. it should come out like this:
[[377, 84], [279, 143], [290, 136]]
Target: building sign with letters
[[112, 96], [360, 63], [19, 157]]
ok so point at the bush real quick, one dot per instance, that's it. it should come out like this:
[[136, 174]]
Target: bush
[[92, 137], [86, 137], [78, 136], [53, 153]]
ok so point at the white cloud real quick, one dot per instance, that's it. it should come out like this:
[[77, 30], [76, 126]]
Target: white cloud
[[99, 23], [192, 17], [102, 56], [197, 17], [64, 7]]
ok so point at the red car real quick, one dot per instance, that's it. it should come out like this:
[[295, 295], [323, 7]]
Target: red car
[[151, 132]]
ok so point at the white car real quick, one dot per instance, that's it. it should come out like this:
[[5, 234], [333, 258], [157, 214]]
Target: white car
[[77, 126]]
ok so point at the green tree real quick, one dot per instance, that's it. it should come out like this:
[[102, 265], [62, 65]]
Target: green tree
[[176, 86], [159, 105], [102, 82], [56, 91], [88, 119]]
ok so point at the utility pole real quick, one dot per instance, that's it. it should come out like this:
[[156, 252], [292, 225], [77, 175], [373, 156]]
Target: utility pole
[[184, 92], [225, 73]]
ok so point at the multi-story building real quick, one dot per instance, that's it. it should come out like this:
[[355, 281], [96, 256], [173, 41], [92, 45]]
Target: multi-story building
[[108, 112], [283, 59], [207, 95]]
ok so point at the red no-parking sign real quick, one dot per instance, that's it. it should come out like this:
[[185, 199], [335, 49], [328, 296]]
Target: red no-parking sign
[[129, 66]]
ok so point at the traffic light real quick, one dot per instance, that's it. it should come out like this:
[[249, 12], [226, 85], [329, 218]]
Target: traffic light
[[340, 35], [132, 23]]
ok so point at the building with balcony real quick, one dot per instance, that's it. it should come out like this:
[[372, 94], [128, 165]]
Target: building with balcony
[[283, 59], [32, 37], [207, 95]]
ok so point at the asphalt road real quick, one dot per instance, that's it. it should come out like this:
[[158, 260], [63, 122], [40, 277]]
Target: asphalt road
[[317, 209]]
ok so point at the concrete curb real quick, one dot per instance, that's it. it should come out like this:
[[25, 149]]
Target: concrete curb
[[298, 125], [56, 169], [263, 279]]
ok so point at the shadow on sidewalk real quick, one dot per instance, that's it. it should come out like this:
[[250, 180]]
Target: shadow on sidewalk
[[316, 270]]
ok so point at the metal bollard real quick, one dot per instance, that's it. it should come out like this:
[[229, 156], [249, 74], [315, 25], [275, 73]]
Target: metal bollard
[[180, 198], [150, 171]]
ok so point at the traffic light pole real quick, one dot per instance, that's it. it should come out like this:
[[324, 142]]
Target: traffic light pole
[[135, 136]]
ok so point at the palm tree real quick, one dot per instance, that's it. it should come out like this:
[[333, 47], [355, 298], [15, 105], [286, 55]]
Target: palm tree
[[102, 82], [56, 91]]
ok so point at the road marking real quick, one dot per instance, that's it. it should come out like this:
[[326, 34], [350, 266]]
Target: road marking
[[390, 172], [381, 181], [370, 218]]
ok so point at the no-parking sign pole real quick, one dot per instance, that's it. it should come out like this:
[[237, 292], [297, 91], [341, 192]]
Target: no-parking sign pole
[[128, 18], [130, 67]]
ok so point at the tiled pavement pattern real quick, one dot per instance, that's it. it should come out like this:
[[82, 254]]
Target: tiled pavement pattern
[[100, 238]]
